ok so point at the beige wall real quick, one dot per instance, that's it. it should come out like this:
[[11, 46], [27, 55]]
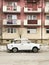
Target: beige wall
[[6, 35], [32, 36], [45, 35]]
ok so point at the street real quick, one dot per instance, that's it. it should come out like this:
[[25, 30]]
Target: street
[[24, 58]]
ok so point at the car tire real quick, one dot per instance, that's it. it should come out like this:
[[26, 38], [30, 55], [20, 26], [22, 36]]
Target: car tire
[[35, 49], [14, 50]]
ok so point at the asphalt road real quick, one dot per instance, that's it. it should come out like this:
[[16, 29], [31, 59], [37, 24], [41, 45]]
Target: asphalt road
[[24, 58]]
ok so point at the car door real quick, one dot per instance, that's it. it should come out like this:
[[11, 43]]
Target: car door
[[25, 45]]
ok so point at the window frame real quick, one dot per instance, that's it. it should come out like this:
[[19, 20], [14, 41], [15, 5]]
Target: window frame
[[34, 31], [47, 17], [47, 29], [11, 30], [31, 17]]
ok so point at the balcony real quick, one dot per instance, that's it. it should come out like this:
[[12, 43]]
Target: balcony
[[46, 22], [11, 23], [32, 22], [30, 10], [11, 9], [46, 9]]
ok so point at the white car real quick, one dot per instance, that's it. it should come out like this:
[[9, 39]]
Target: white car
[[23, 44]]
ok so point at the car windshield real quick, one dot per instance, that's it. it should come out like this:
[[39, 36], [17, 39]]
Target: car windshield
[[24, 41], [21, 40]]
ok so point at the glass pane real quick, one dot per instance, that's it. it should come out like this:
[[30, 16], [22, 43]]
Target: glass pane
[[14, 30], [8, 30], [11, 30]]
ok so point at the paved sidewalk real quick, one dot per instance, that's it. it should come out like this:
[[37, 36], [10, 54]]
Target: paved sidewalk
[[3, 48], [43, 48]]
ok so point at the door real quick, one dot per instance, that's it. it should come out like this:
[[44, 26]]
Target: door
[[25, 45]]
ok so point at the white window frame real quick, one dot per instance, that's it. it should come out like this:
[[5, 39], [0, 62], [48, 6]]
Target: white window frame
[[32, 31], [10, 29], [47, 16], [31, 17], [13, 18], [47, 30], [12, 4], [47, 4]]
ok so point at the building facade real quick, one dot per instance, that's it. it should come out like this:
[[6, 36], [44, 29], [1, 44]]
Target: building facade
[[25, 19]]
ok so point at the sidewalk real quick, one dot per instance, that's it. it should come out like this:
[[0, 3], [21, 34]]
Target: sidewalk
[[3, 48], [43, 48]]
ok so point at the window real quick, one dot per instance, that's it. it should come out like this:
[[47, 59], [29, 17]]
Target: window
[[12, 4], [47, 4], [31, 30], [11, 19], [9, 3], [31, 17], [11, 16], [47, 17], [47, 30], [31, 1], [11, 30]]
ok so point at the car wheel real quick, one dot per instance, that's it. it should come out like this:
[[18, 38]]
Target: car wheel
[[35, 50], [14, 50]]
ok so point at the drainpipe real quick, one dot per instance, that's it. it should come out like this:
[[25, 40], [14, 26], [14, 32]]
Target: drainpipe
[[1, 20], [42, 19]]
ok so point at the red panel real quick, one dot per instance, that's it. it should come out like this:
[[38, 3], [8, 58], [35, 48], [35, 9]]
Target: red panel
[[31, 26], [32, 21]]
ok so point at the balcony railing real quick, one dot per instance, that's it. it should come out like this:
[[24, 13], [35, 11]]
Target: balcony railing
[[32, 22], [46, 9], [12, 22], [46, 22], [12, 9], [31, 10]]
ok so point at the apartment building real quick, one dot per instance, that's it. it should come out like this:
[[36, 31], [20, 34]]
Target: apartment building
[[25, 19]]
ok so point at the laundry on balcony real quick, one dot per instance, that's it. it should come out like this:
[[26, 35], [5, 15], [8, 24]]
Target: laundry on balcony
[[9, 22]]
